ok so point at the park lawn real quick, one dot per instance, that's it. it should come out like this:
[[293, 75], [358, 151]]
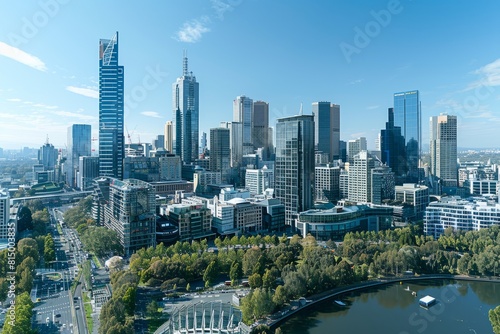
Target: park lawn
[[88, 312]]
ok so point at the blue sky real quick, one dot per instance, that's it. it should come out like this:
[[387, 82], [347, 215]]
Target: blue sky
[[352, 53]]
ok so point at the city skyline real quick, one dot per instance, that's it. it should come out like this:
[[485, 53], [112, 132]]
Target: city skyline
[[362, 51]]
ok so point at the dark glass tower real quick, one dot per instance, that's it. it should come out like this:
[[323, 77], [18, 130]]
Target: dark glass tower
[[327, 128], [111, 140], [407, 116], [186, 114], [294, 166], [393, 148], [79, 145]]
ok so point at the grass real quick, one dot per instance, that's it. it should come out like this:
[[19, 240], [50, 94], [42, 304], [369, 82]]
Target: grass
[[156, 322], [59, 229], [96, 261], [88, 312]]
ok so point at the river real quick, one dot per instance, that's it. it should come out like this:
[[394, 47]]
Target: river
[[462, 307]]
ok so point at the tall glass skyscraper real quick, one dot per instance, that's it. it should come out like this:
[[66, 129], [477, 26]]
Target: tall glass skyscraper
[[79, 145], [185, 123], [294, 166], [111, 140], [443, 147], [407, 116], [393, 148], [327, 128]]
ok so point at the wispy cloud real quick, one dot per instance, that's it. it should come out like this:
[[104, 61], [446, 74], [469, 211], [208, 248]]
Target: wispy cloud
[[355, 82], [220, 7], [14, 100], [22, 57], [153, 114], [489, 76], [193, 30], [372, 107], [70, 114], [89, 92]]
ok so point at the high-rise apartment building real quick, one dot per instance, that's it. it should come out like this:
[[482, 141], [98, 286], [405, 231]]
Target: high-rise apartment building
[[185, 123], [407, 116], [220, 155], [236, 141], [258, 180], [5, 216], [383, 184], [79, 145], [327, 129], [294, 166], [111, 122], [443, 147]]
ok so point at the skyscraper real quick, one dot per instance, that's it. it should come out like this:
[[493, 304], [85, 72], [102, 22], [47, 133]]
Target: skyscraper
[[220, 155], [407, 116], [443, 147], [360, 173], [327, 128], [243, 113], [260, 127], [185, 123], [79, 145], [111, 139], [169, 137], [393, 148], [47, 156], [294, 166], [355, 146]]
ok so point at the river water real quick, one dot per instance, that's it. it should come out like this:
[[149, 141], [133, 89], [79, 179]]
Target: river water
[[462, 307]]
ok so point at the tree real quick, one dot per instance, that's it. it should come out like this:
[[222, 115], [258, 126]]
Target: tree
[[24, 222], [235, 273], [280, 297], [129, 300], [22, 322], [152, 309], [255, 281], [101, 241], [49, 253], [27, 247], [494, 316], [211, 274]]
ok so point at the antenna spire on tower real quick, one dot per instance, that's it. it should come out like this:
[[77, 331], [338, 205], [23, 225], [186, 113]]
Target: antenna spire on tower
[[301, 109], [185, 64]]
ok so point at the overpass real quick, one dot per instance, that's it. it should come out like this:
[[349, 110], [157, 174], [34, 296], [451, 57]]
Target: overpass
[[64, 197]]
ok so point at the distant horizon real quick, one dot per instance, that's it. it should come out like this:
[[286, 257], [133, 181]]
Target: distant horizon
[[357, 56]]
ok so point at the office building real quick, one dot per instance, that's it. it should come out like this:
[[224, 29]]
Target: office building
[[111, 122], [220, 154], [461, 215], [247, 216], [47, 156], [185, 123], [344, 184], [193, 221], [260, 127], [335, 223], [203, 178], [129, 208], [170, 168], [169, 137], [235, 142], [443, 148], [79, 145], [360, 172], [355, 146], [393, 148], [327, 129], [415, 195], [327, 183], [294, 166], [243, 112], [407, 116], [158, 143], [258, 180], [383, 184], [88, 170], [146, 169]]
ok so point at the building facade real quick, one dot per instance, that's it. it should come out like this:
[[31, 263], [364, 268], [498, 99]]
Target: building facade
[[360, 172], [327, 183], [407, 116], [443, 149], [169, 137], [79, 145], [243, 113], [294, 166], [220, 154], [88, 170], [111, 110], [415, 195], [185, 123], [258, 180], [129, 208], [260, 127], [194, 221], [383, 184], [327, 129], [461, 215], [393, 148]]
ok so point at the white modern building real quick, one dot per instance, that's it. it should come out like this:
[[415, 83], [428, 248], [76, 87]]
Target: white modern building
[[461, 215], [443, 149], [327, 187], [360, 177], [258, 180], [413, 194]]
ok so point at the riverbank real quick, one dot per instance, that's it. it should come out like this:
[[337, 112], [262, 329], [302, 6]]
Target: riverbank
[[331, 294]]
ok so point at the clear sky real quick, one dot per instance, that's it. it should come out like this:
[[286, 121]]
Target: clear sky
[[353, 53]]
